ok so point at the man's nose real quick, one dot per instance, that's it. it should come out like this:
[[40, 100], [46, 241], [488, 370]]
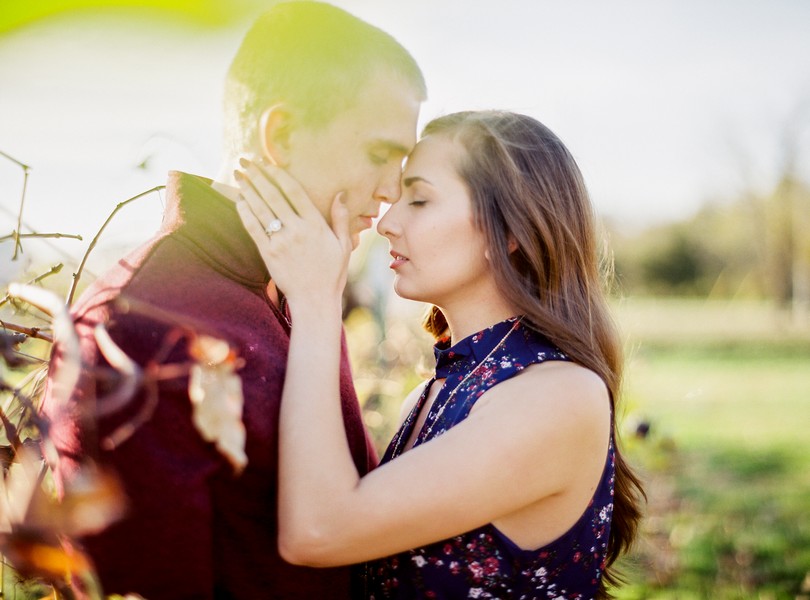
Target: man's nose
[[388, 188]]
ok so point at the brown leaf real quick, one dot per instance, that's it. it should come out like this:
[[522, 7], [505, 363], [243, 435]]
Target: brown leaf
[[216, 396], [18, 487], [35, 556], [63, 331], [92, 499]]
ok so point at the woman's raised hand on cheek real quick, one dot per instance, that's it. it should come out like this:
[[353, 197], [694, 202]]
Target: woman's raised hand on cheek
[[305, 257]]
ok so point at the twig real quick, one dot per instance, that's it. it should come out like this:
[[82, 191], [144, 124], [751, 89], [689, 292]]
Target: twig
[[11, 431], [14, 160], [31, 359], [63, 329], [126, 430], [27, 405], [27, 226], [189, 325], [54, 270], [77, 275], [17, 244], [125, 366], [15, 235], [34, 332]]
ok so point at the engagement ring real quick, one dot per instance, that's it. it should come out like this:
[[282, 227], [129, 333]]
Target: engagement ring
[[273, 226]]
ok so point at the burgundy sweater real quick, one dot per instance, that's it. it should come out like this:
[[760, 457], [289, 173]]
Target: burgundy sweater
[[194, 529]]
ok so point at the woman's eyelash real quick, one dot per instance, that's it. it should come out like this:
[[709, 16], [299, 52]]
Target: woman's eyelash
[[417, 202]]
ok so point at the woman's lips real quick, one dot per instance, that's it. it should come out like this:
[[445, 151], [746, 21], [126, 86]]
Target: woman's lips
[[398, 261]]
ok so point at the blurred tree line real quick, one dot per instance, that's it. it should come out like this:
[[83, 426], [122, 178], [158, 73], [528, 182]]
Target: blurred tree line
[[755, 246]]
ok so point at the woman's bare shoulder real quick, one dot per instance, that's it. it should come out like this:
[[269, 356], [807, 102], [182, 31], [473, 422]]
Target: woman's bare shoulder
[[557, 390]]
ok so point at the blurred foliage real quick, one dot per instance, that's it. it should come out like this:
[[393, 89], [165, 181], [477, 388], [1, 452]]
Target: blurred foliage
[[212, 13], [40, 555], [753, 247]]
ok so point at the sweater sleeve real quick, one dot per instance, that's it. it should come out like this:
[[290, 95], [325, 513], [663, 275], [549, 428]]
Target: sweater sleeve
[[162, 548]]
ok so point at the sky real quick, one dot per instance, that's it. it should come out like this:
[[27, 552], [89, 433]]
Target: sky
[[665, 105]]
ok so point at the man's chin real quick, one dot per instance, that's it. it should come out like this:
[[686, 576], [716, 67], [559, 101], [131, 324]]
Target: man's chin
[[355, 240]]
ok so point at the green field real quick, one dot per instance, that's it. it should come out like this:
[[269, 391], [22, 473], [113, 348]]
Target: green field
[[725, 389]]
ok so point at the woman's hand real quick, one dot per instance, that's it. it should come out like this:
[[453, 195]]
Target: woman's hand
[[306, 258]]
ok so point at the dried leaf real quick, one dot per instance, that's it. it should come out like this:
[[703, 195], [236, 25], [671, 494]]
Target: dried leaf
[[210, 350], [216, 396], [64, 333], [92, 499], [17, 489], [33, 556]]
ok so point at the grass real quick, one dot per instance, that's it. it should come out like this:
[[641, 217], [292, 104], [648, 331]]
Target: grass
[[726, 392]]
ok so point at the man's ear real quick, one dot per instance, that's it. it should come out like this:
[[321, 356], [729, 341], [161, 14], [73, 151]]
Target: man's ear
[[274, 134]]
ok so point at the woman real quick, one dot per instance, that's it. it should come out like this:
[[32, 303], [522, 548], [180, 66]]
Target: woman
[[504, 480]]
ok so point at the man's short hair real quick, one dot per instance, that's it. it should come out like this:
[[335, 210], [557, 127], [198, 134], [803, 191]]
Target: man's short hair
[[312, 56]]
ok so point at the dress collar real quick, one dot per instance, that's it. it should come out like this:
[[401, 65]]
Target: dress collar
[[449, 359], [209, 222]]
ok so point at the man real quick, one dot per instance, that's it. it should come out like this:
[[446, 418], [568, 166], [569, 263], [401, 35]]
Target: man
[[334, 101]]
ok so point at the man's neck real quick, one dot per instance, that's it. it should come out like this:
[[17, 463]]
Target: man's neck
[[225, 183]]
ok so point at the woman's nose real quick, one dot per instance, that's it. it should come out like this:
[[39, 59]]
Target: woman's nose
[[387, 225]]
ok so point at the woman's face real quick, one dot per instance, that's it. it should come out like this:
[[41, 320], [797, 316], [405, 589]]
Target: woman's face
[[438, 254]]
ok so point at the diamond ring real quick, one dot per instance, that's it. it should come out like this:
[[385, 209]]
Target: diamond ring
[[273, 226]]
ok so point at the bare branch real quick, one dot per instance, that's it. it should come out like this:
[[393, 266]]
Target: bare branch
[[77, 275], [124, 365], [14, 235], [34, 332], [54, 270], [27, 405], [68, 374], [125, 431], [17, 244], [14, 160]]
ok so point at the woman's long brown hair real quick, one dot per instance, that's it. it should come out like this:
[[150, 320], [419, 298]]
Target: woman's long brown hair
[[530, 200]]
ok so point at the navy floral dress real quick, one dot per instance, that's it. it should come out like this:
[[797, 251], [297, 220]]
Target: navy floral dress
[[484, 563]]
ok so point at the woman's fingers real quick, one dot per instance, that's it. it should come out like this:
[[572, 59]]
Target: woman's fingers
[[257, 187], [292, 190], [254, 227], [305, 261]]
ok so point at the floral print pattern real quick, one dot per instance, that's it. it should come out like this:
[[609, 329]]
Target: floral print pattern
[[484, 563]]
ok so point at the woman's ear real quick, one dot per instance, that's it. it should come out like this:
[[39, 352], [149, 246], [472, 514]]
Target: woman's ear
[[511, 244], [274, 134]]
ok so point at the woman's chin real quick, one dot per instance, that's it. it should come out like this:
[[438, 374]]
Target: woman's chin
[[404, 292]]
